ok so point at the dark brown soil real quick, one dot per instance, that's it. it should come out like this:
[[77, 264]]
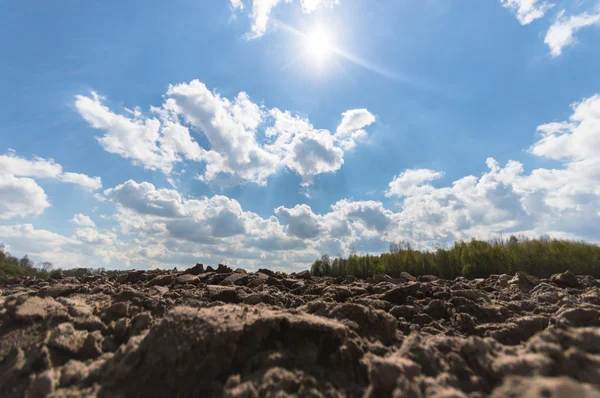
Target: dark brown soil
[[224, 333]]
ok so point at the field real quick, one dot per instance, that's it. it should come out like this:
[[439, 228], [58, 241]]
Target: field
[[218, 332]]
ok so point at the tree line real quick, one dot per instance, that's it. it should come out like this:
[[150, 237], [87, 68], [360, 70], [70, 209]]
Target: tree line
[[14, 266], [540, 257]]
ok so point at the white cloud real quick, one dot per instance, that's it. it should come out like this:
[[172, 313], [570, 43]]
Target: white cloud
[[82, 220], [144, 198], [236, 5], [261, 11], [84, 181], [35, 168], [527, 11], [238, 151], [301, 221], [562, 32], [351, 129], [134, 137], [563, 200], [21, 197], [410, 180]]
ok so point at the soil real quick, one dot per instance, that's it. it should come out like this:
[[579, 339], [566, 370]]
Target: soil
[[225, 333]]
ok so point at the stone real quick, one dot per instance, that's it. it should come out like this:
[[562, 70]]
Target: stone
[[543, 387], [304, 275], [223, 269], [65, 338], [37, 308], [43, 384], [566, 279], [117, 310], [187, 278], [195, 270], [140, 322], [74, 372]]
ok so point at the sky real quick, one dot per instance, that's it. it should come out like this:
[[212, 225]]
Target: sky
[[263, 133]]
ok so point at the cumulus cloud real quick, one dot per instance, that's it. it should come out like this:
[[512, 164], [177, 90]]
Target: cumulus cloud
[[351, 129], [562, 32], [21, 195], [84, 181], [83, 220], [527, 11], [144, 198], [261, 12], [563, 200], [301, 221], [248, 142], [410, 180]]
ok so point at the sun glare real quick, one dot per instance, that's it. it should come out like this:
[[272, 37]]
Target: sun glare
[[319, 44]]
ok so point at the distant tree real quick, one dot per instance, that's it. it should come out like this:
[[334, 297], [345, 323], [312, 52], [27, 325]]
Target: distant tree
[[394, 247], [326, 264], [46, 266], [26, 263]]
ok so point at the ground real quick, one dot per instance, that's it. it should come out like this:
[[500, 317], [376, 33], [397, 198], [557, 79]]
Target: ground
[[225, 333]]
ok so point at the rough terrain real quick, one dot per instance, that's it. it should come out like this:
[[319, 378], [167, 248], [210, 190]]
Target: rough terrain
[[224, 333]]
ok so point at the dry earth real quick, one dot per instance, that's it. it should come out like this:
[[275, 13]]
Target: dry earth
[[224, 333]]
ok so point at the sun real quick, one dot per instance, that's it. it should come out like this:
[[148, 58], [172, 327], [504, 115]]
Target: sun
[[319, 43]]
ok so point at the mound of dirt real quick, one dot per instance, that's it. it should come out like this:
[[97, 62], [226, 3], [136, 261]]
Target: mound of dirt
[[224, 333]]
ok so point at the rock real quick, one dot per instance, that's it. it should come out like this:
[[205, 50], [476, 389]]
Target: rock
[[74, 372], [566, 279], [384, 372], [140, 322], [117, 310], [222, 293], [381, 278], [524, 282], [57, 275], [236, 278], [122, 330], [542, 387], [43, 384], [160, 290], [422, 319], [267, 272], [76, 307], [223, 269], [30, 309], [187, 278], [370, 322], [90, 323], [171, 350], [530, 364], [65, 338], [403, 311], [304, 275], [503, 280], [427, 278], [407, 276], [195, 270], [92, 346], [437, 309], [162, 280], [585, 315]]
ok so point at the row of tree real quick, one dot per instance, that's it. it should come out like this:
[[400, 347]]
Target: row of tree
[[11, 265], [475, 259], [14, 266]]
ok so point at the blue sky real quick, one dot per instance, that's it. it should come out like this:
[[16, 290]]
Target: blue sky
[[264, 132]]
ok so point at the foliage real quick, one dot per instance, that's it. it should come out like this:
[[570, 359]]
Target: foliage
[[13, 266], [540, 257]]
